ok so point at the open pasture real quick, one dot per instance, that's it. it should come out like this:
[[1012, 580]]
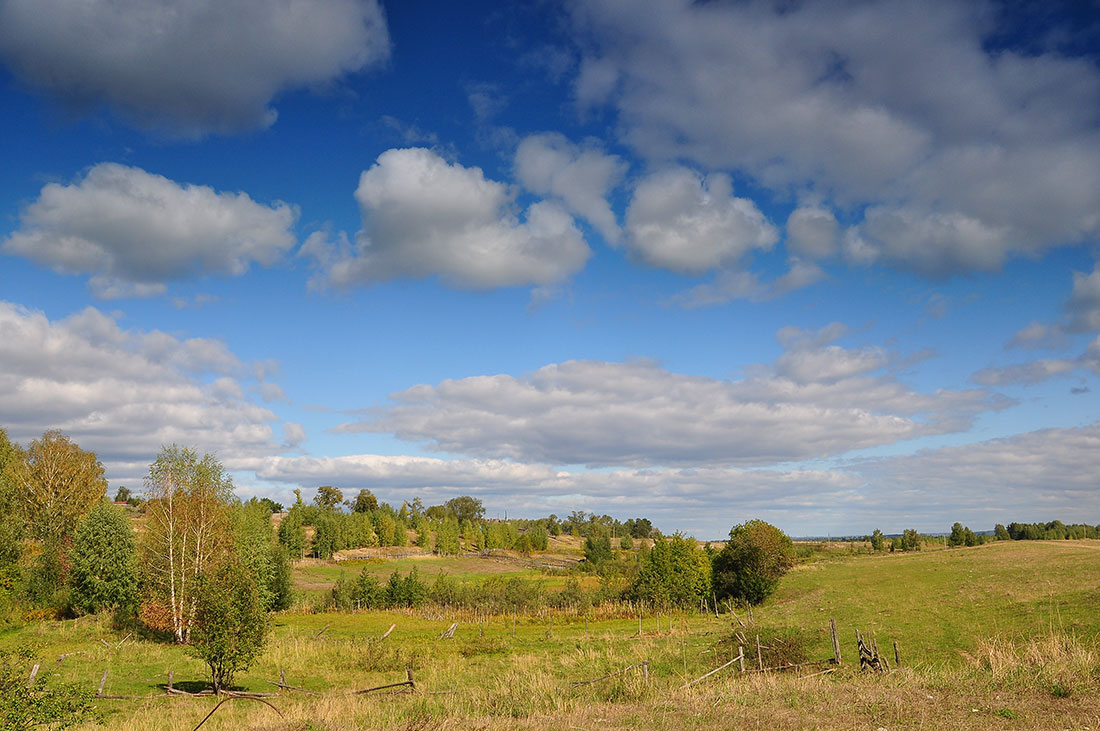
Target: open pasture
[[1000, 636]]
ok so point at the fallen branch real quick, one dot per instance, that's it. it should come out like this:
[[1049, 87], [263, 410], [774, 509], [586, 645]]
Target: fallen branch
[[322, 630], [712, 672], [450, 633], [234, 698], [291, 687], [387, 634]]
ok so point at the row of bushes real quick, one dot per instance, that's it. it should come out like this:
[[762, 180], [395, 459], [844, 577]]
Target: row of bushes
[[496, 594]]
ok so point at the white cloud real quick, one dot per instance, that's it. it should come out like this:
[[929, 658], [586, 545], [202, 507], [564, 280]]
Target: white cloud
[[963, 157], [424, 217], [134, 231], [1042, 475], [1038, 476], [124, 393], [817, 401], [687, 224], [582, 177], [813, 232], [188, 68]]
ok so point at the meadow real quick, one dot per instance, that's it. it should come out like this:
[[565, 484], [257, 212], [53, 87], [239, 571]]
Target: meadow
[[1005, 635]]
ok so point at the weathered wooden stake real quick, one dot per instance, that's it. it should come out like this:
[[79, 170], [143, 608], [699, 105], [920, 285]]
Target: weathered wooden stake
[[387, 633], [513, 625], [645, 671], [551, 626], [715, 597], [409, 673], [897, 655], [639, 624], [102, 682], [741, 656], [836, 641], [34, 673], [751, 620], [759, 656], [172, 677]]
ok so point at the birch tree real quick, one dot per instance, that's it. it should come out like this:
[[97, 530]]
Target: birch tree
[[59, 483], [188, 532]]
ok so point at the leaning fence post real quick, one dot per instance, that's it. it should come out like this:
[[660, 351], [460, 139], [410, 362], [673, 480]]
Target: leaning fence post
[[897, 655], [759, 656], [34, 673], [836, 641], [409, 673], [102, 682], [171, 677], [645, 671], [741, 657]]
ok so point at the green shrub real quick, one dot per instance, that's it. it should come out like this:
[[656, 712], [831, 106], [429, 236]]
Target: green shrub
[[26, 706], [230, 623], [750, 565], [104, 561]]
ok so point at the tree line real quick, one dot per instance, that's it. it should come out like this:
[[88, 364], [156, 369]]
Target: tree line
[[457, 525]]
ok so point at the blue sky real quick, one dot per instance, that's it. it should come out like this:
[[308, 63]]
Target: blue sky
[[833, 265]]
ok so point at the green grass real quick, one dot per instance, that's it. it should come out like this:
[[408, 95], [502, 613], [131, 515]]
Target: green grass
[[998, 636]]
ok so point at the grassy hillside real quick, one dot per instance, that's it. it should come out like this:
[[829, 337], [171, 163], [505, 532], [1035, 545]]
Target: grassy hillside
[[1002, 635]]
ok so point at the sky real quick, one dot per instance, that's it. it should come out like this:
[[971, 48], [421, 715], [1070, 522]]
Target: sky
[[831, 265]]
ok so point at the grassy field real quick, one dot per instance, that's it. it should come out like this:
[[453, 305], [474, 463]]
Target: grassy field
[[1004, 635]]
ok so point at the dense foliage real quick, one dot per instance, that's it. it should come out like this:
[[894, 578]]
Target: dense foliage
[[675, 573], [230, 622], [749, 566], [104, 561]]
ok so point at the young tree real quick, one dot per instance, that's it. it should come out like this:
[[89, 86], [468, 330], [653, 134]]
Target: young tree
[[447, 542], [365, 502], [230, 623], [878, 540], [60, 482], [597, 547], [957, 537], [328, 497], [122, 495], [676, 573], [188, 530], [104, 561], [465, 508], [750, 565], [262, 556]]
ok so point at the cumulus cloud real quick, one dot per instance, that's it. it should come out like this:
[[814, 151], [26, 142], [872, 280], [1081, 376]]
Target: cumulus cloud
[[684, 223], [423, 217], [188, 68], [124, 393], [134, 231], [817, 401], [550, 165], [961, 156], [813, 232], [1040, 475]]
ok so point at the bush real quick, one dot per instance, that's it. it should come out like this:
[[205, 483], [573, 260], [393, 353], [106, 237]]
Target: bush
[[750, 565], [104, 561], [675, 572], [24, 706], [230, 623]]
